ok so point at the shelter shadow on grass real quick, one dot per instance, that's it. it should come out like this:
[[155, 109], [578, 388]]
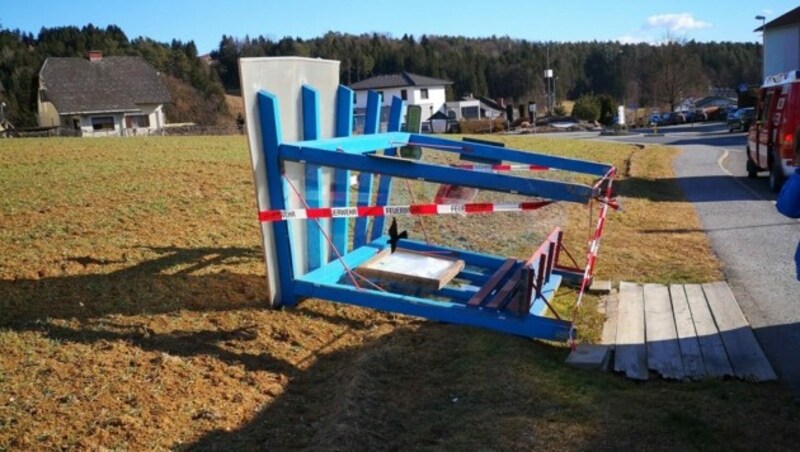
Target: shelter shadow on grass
[[699, 189], [452, 387], [431, 386], [174, 280]]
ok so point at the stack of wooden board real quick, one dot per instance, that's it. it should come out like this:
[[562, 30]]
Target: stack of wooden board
[[690, 331]]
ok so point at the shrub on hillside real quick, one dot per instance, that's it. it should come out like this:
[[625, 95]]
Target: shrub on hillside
[[587, 108], [607, 109]]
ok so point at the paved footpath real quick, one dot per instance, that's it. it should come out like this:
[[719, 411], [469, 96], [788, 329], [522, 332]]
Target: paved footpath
[[756, 245]]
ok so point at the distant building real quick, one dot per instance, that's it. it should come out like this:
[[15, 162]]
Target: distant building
[[474, 108], [97, 96], [427, 92], [782, 43]]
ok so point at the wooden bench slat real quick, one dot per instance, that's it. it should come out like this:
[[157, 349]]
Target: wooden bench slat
[[508, 288], [492, 283]]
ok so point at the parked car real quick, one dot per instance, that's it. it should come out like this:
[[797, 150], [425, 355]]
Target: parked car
[[676, 117], [741, 119], [772, 142], [700, 115]]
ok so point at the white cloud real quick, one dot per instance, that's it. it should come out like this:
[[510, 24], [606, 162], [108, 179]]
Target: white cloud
[[630, 39], [676, 22]]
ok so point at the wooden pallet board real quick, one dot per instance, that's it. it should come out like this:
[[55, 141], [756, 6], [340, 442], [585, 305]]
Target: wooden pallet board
[[744, 352], [691, 355], [681, 332], [630, 353], [610, 327], [711, 347], [663, 352]]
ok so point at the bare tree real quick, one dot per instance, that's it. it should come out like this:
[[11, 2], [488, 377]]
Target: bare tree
[[678, 72]]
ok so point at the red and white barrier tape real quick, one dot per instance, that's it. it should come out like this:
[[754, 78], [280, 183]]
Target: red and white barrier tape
[[501, 167], [594, 247], [266, 216]]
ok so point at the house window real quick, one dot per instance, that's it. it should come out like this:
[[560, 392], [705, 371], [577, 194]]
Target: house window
[[103, 123], [470, 112], [137, 121], [355, 98], [423, 93], [404, 94]]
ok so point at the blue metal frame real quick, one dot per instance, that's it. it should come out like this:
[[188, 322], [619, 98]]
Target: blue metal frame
[[375, 154]]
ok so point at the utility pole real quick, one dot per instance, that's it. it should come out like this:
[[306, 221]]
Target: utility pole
[[550, 91]]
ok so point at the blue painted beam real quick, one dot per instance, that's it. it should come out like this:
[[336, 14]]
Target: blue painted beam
[[443, 311], [334, 271], [373, 120], [313, 173], [458, 295], [340, 227], [271, 137], [482, 151], [548, 189], [365, 178], [385, 182], [359, 144]]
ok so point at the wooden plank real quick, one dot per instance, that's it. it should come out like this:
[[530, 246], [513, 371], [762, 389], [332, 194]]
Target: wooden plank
[[502, 296], [492, 284], [340, 227], [692, 357], [311, 131], [385, 182], [365, 179], [610, 326], [744, 352], [714, 356], [663, 352], [631, 352]]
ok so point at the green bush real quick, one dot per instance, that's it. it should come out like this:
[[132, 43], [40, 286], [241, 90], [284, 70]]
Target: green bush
[[607, 109], [560, 110], [587, 108]]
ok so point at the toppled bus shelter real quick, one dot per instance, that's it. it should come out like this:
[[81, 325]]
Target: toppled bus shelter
[[327, 240]]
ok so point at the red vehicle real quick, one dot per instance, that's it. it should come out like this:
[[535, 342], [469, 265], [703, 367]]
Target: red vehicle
[[772, 142]]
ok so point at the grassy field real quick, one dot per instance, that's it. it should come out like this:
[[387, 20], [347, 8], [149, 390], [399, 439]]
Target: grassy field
[[132, 317]]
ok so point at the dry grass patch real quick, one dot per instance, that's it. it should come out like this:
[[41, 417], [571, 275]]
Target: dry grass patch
[[131, 317]]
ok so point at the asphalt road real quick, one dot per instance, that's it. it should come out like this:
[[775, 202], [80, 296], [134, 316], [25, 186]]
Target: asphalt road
[[755, 243]]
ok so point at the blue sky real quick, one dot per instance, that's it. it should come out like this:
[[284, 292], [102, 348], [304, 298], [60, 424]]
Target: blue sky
[[566, 20]]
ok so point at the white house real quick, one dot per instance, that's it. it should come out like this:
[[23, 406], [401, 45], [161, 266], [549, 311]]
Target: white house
[[782, 43], [97, 96], [427, 92]]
